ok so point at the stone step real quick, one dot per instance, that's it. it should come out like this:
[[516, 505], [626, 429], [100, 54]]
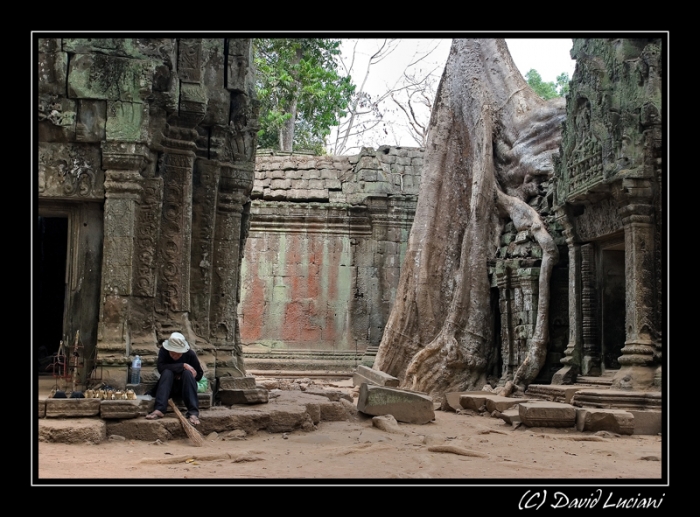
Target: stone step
[[594, 381]]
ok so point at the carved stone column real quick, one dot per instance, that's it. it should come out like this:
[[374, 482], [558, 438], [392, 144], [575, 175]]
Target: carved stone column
[[572, 360], [637, 360], [234, 188], [123, 162], [590, 362]]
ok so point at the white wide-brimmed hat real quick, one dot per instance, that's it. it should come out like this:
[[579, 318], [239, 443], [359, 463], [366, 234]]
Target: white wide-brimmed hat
[[176, 343]]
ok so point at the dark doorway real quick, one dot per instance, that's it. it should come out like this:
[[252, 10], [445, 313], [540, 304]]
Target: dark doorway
[[613, 306], [50, 288]]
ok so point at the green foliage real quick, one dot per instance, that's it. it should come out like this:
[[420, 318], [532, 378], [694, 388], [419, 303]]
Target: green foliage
[[297, 79], [550, 89]]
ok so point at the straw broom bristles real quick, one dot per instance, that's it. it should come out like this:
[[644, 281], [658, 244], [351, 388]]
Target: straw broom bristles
[[192, 433]]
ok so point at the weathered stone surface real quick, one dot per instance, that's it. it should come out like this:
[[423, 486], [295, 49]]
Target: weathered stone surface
[[498, 403], [387, 423], [41, 408], [552, 392], [72, 408], [647, 421], [453, 399], [613, 420], [257, 395], [162, 429], [547, 414], [236, 383], [405, 406], [114, 409], [74, 430], [474, 399], [366, 374], [332, 395], [510, 416]]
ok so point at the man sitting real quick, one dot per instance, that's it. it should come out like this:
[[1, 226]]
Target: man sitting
[[179, 371]]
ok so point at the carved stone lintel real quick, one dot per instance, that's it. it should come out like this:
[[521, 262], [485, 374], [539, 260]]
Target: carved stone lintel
[[124, 156]]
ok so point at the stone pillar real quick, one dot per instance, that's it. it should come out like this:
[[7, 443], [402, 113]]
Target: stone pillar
[[572, 355], [234, 188], [637, 362], [505, 302], [590, 362], [123, 162]]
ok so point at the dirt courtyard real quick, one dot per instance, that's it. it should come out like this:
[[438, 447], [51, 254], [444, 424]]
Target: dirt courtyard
[[453, 447]]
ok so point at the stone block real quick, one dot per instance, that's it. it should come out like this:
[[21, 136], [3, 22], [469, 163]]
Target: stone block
[[365, 374], [613, 420], [78, 430], [452, 399], [332, 395], [72, 408], [500, 404], [41, 408], [511, 416], [647, 421], [162, 429], [257, 395], [113, 409], [406, 406], [473, 399], [547, 414], [236, 383]]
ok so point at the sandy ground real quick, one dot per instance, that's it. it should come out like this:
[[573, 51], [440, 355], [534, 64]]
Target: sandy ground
[[455, 447]]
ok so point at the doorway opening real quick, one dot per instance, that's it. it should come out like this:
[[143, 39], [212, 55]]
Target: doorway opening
[[50, 288], [612, 304]]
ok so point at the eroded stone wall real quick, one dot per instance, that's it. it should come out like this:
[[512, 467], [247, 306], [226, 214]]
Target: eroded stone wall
[[159, 136]]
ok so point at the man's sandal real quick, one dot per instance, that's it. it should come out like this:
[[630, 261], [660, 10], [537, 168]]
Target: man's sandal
[[194, 420], [155, 415]]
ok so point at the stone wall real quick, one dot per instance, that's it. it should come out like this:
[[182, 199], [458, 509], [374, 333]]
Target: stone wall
[[147, 146], [608, 197], [324, 250]]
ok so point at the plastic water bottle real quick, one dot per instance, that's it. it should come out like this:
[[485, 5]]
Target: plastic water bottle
[[136, 370]]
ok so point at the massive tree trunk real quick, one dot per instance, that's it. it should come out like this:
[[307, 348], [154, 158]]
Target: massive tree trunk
[[489, 147]]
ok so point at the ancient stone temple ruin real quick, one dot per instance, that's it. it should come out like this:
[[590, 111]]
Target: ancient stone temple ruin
[[146, 152], [608, 197], [155, 215], [322, 260]]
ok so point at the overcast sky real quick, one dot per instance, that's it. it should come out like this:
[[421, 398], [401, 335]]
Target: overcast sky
[[550, 57]]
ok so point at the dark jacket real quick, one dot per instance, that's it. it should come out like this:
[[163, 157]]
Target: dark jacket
[[165, 362]]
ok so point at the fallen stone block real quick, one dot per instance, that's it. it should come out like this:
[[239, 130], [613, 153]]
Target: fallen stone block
[[510, 416], [257, 395], [406, 406], [75, 430], [387, 423], [473, 400], [236, 383], [72, 408], [370, 376], [332, 395], [647, 421], [547, 414], [500, 404], [162, 429], [613, 420], [452, 399], [113, 409]]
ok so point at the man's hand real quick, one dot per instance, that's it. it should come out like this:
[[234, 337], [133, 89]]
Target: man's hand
[[190, 369]]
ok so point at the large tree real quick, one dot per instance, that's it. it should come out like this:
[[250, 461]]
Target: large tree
[[300, 90], [489, 146]]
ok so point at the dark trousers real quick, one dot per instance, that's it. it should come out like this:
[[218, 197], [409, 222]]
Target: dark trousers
[[185, 387]]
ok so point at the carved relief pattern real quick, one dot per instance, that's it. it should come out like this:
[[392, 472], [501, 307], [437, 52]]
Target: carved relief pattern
[[588, 301], [598, 222], [173, 270], [586, 161], [206, 181], [190, 60], [147, 237]]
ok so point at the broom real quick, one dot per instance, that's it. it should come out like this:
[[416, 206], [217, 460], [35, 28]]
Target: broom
[[192, 433]]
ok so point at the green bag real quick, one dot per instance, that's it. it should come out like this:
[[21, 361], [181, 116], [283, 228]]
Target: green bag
[[203, 385]]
